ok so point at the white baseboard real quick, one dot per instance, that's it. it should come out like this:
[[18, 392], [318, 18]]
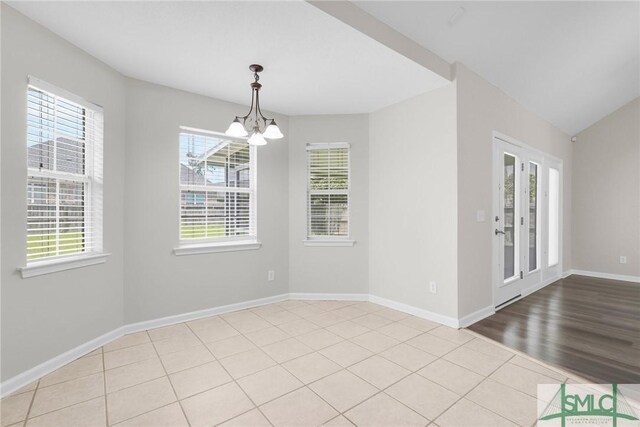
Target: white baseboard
[[199, 314], [425, 314], [39, 371], [405, 308], [599, 275], [476, 316], [328, 297], [15, 383]]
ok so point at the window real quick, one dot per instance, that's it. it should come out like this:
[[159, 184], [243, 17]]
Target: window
[[554, 216], [64, 174], [534, 218], [217, 188], [328, 191]]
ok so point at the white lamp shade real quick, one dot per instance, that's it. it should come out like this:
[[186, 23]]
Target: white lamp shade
[[257, 139], [273, 131], [236, 129]]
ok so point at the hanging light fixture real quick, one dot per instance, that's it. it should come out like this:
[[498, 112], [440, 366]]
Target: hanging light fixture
[[261, 127]]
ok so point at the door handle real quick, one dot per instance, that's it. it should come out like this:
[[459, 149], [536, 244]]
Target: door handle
[[498, 232]]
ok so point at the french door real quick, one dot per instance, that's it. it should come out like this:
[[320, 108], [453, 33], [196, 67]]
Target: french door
[[526, 221]]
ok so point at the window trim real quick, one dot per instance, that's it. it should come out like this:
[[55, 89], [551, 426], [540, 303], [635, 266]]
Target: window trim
[[226, 243], [39, 268], [63, 93], [58, 263], [327, 240], [208, 248]]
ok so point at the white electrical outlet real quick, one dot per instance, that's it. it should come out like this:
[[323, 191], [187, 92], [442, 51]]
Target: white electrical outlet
[[271, 276], [433, 287], [623, 259]]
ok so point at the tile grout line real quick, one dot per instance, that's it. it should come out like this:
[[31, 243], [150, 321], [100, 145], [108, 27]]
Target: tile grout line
[[516, 352], [303, 384], [342, 413], [463, 396], [342, 368], [33, 398], [229, 374], [413, 372], [62, 382], [169, 380], [474, 387], [144, 413], [65, 407], [531, 370], [383, 390], [104, 384], [143, 382], [478, 385]]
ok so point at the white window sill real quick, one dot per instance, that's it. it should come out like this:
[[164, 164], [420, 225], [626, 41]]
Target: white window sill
[[39, 268], [329, 243], [207, 248]]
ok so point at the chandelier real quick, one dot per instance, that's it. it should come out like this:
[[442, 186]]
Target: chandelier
[[261, 127]]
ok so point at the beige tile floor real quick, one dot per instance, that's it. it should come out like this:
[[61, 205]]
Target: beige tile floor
[[293, 363]]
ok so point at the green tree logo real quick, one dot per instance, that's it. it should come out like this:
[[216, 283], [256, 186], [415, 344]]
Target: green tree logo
[[582, 404]]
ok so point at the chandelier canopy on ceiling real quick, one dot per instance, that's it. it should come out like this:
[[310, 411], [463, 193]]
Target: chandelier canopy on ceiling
[[261, 127]]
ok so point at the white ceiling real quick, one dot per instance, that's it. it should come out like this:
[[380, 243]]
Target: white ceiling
[[572, 63], [314, 64]]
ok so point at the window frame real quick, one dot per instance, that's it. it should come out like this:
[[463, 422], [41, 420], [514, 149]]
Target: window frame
[[91, 179], [226, 243], [328, 240]]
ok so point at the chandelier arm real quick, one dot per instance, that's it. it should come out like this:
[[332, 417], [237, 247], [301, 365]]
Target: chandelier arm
[[264, 119], [259, 111], [253, 94]]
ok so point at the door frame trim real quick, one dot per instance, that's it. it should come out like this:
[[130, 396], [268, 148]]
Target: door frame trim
[[544, 271]]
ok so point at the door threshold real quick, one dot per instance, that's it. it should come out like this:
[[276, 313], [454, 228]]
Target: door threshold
[[509, 301]]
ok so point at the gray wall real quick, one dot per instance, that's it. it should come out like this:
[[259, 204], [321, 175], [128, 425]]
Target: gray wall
[[47, 315], [329, 269], [606, 194], [158, 283], [482, 109], [412, 187]]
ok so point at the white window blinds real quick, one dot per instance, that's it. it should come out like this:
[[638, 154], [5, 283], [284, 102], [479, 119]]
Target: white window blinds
[[328, 191], [64, 174], [217, 188]]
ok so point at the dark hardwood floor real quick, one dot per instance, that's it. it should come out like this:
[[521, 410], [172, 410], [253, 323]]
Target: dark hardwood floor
[[581, 324]]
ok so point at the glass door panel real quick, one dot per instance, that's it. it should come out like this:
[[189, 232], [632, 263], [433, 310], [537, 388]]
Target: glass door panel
[[510, 204], [554, 215], [534, 226], [527, 245]]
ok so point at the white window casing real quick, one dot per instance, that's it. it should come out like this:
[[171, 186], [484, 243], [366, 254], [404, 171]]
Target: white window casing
[[328, 194], [64, 144], [217, 202]]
